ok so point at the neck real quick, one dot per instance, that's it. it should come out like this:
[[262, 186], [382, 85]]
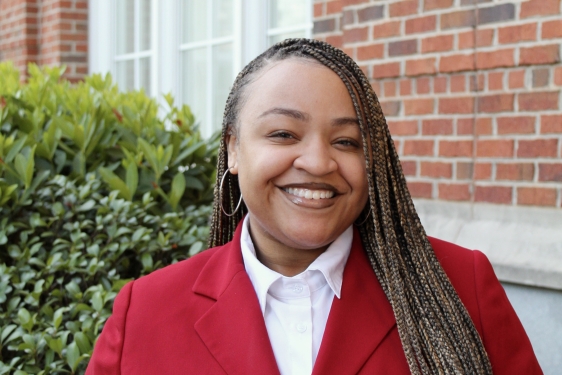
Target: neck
[[286, 260]]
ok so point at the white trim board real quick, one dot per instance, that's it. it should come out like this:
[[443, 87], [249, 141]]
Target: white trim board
[[524, 244]]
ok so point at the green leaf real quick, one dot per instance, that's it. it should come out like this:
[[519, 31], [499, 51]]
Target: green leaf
[[132, 178], [146, 260], [178, 188], [72, 355], [82, 342], [115, 183]]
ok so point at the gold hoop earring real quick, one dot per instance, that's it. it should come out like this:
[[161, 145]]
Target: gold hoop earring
[[220, 196], [366, 217]]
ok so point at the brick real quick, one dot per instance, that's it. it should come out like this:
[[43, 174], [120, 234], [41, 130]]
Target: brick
[[515, 171], [464, 170], [349, 17], [436, 4], [456, 105], [495, 148], [318, 9], [334, 6], [483, 126], [335, 40], [540, 55], [536, 196], [551, 124], [403, 127], [454, 192], [495, 81], [372, 51], [439, 84], [389, 88], [550, 172], [421, 24], [391, 108], [437, 127], [546, 148], [498, 13], [541, 77], [423, 85], [403, 47], [480, 38], [455, 148], [516, 79], [421, 66], [458, 83], [465, 18], [418, 106], [493, 194], [552, 29], [408, 167], [386, 70], [539, 8], [387, 29], [483, 171], [371, 13], [420, 189], [436, 169], [357, 34], [419, 147], [403, 8], [538, 101], [405, 87], [456, 63], [558, 76], [495, 59], [437, 43], [518, 33], [495, 103], [324, 26], [516, 125]]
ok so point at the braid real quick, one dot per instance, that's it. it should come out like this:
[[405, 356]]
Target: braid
[[437, 334]]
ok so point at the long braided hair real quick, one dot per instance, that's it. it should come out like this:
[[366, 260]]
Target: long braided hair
[[437, 334]]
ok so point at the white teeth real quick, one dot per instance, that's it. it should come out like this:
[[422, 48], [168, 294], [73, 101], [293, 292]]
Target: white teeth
[[310, 194]]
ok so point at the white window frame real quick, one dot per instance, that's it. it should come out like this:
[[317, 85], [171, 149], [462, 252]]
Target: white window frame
[[251, 35]]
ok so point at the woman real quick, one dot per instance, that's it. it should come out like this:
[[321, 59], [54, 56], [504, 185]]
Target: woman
[[319, 263]]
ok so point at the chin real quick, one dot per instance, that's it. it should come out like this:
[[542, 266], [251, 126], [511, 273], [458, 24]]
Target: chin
[[310, 238]]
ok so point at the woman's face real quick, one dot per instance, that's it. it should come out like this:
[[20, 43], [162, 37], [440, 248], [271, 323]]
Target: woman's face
[[298, 155]]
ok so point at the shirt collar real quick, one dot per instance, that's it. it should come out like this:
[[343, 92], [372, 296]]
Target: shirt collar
[[330, 263]]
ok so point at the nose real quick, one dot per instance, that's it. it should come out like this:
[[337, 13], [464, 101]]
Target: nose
[[316, 158]]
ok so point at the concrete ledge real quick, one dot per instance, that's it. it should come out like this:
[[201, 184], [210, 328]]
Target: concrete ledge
[[524, 244]]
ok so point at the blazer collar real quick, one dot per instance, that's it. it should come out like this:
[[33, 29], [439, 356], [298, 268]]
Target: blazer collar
[[234, 331], [358, 321]]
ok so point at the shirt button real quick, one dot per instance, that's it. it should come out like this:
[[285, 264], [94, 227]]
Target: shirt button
[[297, 288], [301, 327]]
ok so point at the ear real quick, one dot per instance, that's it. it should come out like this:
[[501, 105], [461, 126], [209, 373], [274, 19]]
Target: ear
[[232, 149]]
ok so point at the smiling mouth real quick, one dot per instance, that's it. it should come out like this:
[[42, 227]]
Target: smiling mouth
[[310, 193]]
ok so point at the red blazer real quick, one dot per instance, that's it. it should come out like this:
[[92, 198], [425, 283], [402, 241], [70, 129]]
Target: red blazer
[[202, 316]]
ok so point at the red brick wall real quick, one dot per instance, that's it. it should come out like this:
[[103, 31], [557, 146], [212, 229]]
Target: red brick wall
[[47, 32], [471, 90]]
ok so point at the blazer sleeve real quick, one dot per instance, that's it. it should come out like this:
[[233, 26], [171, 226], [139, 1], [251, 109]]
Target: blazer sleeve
[[505, 340], [106, 358]]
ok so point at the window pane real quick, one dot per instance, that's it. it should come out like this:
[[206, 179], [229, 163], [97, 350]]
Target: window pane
[[222, 80], [281, 37], [194, 20], [194, 76], [144, 24], [126, 75], [144, 74], [222, 18], [283, 13], [125, 26]]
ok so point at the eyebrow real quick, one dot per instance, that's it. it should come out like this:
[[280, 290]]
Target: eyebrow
[[303, 116]]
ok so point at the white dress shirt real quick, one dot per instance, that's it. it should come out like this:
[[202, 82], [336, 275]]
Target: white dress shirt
[[295, 309]]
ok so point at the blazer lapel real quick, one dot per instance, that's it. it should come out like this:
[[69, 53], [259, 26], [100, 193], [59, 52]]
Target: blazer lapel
[[233, 329], [358, 322]]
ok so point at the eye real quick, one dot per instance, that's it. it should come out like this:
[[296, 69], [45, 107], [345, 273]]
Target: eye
[[347, 142], [282, 135]]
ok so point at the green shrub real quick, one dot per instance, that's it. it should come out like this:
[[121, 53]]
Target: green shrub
[[96, 188]]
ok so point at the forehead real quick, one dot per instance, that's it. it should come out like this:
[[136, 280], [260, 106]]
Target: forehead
[[300, 84]]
